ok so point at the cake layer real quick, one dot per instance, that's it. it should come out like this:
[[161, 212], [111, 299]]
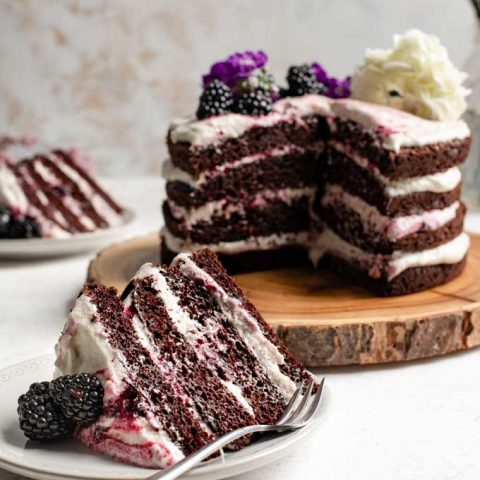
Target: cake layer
[[387, 267], [364, 226], [268, 212], [271, 171], [412, 280], [404, 197], [183, 358]]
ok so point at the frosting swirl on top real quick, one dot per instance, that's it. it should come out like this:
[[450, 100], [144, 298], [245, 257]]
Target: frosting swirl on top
[[416, 75]]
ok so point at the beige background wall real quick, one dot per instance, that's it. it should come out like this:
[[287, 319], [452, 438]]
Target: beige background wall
[[109, 74]]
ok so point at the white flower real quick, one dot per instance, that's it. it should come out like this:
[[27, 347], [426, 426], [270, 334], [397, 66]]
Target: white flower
[[416, 75]]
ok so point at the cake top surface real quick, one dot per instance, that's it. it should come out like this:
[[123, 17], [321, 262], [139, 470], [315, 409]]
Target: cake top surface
[[396, 128], [232, 125]]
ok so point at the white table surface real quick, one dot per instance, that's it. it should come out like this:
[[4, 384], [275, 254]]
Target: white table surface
[[418, 420]]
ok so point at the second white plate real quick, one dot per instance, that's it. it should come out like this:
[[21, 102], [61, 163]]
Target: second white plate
[[71, 460]]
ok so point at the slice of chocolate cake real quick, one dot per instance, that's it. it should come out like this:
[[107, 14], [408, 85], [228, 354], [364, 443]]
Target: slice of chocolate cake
[[47, 193], [183, 357]]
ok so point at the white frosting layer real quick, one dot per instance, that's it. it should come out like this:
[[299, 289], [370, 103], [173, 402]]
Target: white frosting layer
[[394, 228], [449, 253], [84, 347], [138, 440], [233, 125], [215, 129], [266, 353], [226, 209], [396, 129], [440, 182], [172, 173], [229, 248], [191, 330]]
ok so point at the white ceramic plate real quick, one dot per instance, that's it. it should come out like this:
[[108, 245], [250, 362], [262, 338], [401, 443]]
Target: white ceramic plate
[[71, 460], [54, 247]]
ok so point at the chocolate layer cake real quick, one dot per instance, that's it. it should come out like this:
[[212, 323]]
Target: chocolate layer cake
[[183, 357], [47, 193], [364, 186]]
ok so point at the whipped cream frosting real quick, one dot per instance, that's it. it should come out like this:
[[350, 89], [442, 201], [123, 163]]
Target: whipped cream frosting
[[394, 228], [419, 71], [440, 182], [448, 253], [177, 244]]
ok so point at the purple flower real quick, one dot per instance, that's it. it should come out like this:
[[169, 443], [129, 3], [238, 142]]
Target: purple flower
[[236, 67], [335, 88]]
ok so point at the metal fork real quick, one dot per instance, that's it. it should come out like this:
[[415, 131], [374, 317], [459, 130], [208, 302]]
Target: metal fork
[[299, 412]]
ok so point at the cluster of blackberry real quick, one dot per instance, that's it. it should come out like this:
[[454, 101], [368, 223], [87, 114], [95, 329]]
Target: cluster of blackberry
[[51, 410], [302, 80], [13, 227], [217, 99]]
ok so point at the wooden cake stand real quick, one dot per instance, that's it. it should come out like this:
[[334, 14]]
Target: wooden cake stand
[[326, 321]]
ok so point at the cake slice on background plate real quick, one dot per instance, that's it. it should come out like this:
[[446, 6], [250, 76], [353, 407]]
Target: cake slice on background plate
[[49, 193], [183, 357]]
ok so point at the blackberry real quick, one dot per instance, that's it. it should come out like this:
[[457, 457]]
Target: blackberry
[[40, 418], [5, 218], [254, 102], [302, 80], [216, 99], [80, 397], [25, 227]]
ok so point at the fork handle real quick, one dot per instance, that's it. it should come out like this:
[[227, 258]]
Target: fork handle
[[189, 462]]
